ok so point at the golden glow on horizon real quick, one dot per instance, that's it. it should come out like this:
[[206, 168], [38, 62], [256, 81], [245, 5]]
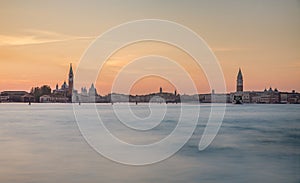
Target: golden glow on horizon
[[147, 48], [146, 85]]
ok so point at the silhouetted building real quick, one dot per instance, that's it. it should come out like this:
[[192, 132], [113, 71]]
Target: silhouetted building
[[27, 98], [45, 99], [66, 90], [92, 90], [71, 82], [13, 96]]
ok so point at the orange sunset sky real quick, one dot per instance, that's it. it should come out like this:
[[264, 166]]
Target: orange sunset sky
[[38, 40]]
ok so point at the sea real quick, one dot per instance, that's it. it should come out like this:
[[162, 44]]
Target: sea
[[42, 143]]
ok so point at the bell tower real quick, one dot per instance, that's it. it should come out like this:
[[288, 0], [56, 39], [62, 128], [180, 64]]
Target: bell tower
[[239, 82], [71, 84]]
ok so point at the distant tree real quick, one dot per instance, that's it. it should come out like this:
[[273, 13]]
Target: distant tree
[[37, 92], [45, 90], [32, 90]]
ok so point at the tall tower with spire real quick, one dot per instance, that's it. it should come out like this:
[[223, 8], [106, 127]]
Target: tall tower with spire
[[71, 81], [239, 82]]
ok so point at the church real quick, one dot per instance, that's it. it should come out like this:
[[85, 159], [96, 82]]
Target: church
[[66, 90]]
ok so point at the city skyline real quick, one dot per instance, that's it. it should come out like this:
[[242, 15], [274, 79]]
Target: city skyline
[[153, 88], [68, 93], [37, 45]]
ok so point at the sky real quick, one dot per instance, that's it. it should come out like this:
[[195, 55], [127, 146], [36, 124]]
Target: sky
[[39, 39]]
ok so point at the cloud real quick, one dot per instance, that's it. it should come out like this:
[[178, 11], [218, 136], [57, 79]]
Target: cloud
[[32, 37], [229, 49]]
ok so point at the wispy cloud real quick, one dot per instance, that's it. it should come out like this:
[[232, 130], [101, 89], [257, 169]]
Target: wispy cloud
[[32, 37], [229, 49]]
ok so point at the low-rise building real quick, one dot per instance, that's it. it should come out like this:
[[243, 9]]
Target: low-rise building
[[45, 99], [27, 98], [13, 96]]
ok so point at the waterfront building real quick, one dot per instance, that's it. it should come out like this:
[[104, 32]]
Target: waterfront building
[[92, 91], [27, 98], [14, 96], [66, 90], [214, 97], [45, 99], [294, 98], [4, 98]]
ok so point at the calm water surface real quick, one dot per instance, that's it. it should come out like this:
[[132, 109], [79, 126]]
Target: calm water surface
[[41, 143]]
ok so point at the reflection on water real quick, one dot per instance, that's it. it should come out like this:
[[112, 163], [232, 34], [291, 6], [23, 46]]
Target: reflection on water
[[256, 143]]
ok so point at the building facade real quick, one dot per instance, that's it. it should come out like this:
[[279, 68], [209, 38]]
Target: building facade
[[66, 90]]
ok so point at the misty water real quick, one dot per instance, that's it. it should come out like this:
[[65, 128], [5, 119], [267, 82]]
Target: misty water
[[41, 143]]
